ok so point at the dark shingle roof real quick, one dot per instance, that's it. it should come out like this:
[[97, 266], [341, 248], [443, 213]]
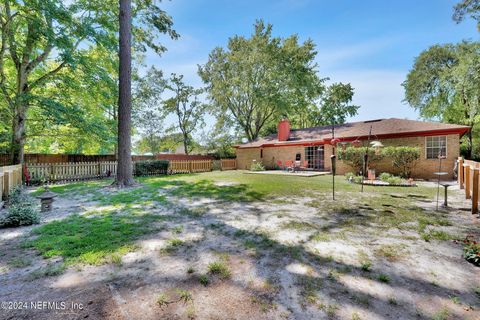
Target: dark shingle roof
[[392, 126]]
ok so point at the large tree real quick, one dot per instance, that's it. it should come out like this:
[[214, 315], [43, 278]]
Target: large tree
[[256, 80], [148, 115], [444, 84], [333, 107], [467, 8], [124, 156], [187, 107], [77, 111], [40, 38]]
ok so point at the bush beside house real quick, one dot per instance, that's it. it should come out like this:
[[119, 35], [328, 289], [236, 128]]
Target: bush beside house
[[403, 159]]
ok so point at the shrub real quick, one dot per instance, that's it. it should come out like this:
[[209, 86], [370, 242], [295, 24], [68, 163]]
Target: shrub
[[471, 250], [354, 157], [390, 178], [151, 167], [21, 211], [358, 179], [403, 158], [349, 175], [385, 176], [257, 166]]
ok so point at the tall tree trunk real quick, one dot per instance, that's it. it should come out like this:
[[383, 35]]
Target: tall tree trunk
[[18, 135], [124, 169], [185, 143], [19, 117]]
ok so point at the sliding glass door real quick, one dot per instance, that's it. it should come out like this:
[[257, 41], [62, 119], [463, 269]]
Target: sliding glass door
[[315, 157]]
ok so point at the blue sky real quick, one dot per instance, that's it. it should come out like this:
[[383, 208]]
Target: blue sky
[[370, 44]]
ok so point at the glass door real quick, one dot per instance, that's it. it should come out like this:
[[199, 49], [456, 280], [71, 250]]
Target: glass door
[[315, 157]]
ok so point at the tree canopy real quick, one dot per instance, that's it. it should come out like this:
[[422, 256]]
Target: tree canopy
[[467, 8], [444, 84], [255, 80], [187, 108], [41, 42]]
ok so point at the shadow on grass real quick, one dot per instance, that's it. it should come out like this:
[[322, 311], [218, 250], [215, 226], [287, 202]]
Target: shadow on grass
[[98, 239], [206, 188]]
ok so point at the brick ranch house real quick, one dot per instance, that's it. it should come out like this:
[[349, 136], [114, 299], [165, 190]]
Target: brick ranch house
[[314, 145]]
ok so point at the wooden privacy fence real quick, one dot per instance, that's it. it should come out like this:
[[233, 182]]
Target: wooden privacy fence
[[468, 179], [64, 172], [228, 164], [10, 178]]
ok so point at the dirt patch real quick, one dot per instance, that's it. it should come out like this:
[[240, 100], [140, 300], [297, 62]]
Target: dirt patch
[[288, 258]]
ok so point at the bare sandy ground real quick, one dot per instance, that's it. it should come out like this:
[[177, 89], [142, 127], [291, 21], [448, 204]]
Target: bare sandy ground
[[276, 272]]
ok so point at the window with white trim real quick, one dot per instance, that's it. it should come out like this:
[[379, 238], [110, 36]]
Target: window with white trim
[[435, 146]]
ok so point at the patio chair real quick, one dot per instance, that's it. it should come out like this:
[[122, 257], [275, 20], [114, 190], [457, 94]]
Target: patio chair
[[297, 166], [280, 165], [289, 165]]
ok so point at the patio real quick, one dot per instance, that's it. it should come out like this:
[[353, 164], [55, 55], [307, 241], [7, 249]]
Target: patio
[[289, 173]]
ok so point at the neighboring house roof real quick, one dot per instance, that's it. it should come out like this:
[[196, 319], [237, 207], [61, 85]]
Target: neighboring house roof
[[381, 128]]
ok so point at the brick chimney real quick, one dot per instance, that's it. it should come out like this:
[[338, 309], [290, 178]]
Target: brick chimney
[[283, 130]]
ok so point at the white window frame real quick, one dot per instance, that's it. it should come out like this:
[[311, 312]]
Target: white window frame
[[426, 147]]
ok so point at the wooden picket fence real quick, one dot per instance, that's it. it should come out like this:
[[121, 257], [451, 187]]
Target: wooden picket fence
[[68, 172], [10, 178], [75, 171], [468, 179]]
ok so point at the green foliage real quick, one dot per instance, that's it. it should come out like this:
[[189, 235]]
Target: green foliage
[[219, 143], [467, 8], [93, 241], [155, 144], [203, 279], [332, 106], [256, 80], [358, 179], [219, 268], [186, 106], [147, 113], [471, 250], [151, 167], [403, 158], [21, 211], [257, 166], [383, 278], [353, 156], [349, 175], [443, 85], [60, 69], [390, 178]]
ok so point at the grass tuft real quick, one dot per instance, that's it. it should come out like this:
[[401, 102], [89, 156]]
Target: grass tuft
[[219, 268], [383, 278], [51, 270]]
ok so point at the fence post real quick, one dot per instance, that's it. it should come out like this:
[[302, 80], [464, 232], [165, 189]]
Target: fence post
[[52, 171], [475, 191], [6, 184], [461, 171], [467, 182], [1, 186], [190, 166]]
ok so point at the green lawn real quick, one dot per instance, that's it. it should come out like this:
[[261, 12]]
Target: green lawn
[[247, 186], [268, 238], [123, 216]]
